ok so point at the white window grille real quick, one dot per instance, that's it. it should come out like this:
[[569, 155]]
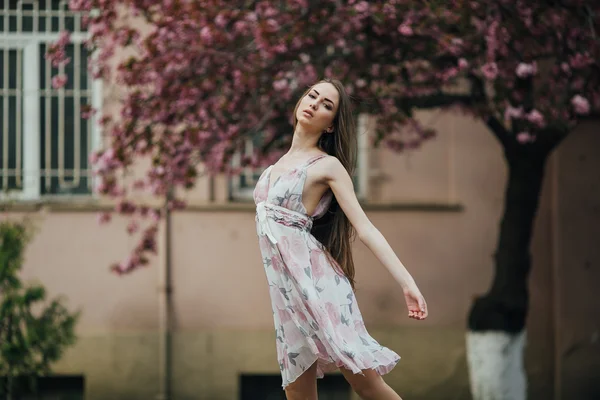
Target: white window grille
[[242, 185], [44, 141]]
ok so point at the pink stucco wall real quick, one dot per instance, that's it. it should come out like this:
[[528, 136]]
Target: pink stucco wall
[[219, 284]]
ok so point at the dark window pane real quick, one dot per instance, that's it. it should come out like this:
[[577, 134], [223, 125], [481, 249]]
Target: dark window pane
[[83, 71], [268, 387], [12, 23], [55, 24], [27, 18], [8, 161], [12, 69], [27, 24], [24, 13], [72, 177], [42, 23], [8, 124]]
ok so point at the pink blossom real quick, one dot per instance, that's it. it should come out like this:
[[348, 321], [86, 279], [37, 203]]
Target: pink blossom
[[580, 60], [155, 214], [280, 48], [87, 111], [125, 207], [132, 227], [280, 85], [64, 38], [305, 58], [524, 70], [405, 30], [94, 157], [206, 35], [221, 21], [59, 81], [449, 73], [240, 27], [362, 6], [79, 5], [513, 112], [193, 84], [104, 217], [536, 118], [490, 71], [525, 137], [580, 104], [177, 204]]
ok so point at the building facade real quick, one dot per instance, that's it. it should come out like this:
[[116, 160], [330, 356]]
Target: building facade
[[439, 208]]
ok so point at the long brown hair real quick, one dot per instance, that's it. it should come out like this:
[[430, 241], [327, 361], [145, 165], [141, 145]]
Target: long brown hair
[[334, 230]]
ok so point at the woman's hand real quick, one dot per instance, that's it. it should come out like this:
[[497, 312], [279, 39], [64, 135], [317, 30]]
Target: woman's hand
[[417, 307]]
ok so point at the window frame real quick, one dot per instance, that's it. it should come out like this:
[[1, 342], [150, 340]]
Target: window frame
[[28, 43], [237, 193]]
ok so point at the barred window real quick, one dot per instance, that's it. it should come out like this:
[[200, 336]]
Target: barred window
[[44, 142], [242, 186]]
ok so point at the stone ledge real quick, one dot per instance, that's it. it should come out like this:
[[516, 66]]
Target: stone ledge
[[92, 205]]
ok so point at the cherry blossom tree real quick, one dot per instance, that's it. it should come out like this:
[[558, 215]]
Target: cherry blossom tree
[[202, 77]]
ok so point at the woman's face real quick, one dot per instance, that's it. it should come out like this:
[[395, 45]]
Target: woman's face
[[318, 108]]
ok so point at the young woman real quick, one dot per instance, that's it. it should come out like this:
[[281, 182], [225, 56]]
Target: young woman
[[309, 268]]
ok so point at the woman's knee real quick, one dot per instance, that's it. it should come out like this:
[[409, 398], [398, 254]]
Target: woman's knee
[[301, 391], [304, 387], [367, 386], [367, 390]]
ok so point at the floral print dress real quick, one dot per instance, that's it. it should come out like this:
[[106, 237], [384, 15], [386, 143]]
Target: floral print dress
[[314, 309]]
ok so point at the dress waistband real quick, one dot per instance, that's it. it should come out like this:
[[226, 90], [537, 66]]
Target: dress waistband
[[266, 212]]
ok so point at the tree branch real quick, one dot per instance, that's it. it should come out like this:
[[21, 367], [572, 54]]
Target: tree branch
[[499, 130], [436, 100]]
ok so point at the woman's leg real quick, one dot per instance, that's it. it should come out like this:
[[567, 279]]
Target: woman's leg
[[305, 386], [371, 386]]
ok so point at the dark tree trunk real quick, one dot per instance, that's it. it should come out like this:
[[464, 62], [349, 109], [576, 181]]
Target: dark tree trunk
[[504, 307]]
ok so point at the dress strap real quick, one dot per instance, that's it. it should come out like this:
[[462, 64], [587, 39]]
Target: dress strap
[[313, 160]]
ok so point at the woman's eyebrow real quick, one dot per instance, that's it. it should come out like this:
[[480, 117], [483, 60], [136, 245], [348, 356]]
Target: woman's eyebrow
[[326, 99]]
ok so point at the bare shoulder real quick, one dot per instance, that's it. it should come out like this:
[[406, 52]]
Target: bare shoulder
[[331, 168]]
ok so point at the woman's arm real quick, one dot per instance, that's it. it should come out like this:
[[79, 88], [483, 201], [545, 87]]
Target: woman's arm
[[341, 184]]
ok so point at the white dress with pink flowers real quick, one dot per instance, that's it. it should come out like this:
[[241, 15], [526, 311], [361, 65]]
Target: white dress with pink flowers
[[314, 309]]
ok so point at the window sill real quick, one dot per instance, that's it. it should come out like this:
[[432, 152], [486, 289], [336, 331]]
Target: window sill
[[242, 205], [85, 204], [94, 205]]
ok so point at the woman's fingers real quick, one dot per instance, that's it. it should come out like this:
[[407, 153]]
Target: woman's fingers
[[420, 314]]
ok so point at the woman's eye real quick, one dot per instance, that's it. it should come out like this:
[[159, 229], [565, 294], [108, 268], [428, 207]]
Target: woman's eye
[[311, 96]]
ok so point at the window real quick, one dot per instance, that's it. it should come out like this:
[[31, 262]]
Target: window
[[268, 387], [242, 185], [44, 142]]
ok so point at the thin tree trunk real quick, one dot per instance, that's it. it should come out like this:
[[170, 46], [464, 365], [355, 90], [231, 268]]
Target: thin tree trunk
[[504, 307], [496, 338]]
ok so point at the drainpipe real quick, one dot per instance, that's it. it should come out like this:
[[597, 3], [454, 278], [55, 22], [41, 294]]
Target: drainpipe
[[556, 278], [165, 310]]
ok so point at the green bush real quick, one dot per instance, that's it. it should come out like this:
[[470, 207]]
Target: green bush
[[34, 332]]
